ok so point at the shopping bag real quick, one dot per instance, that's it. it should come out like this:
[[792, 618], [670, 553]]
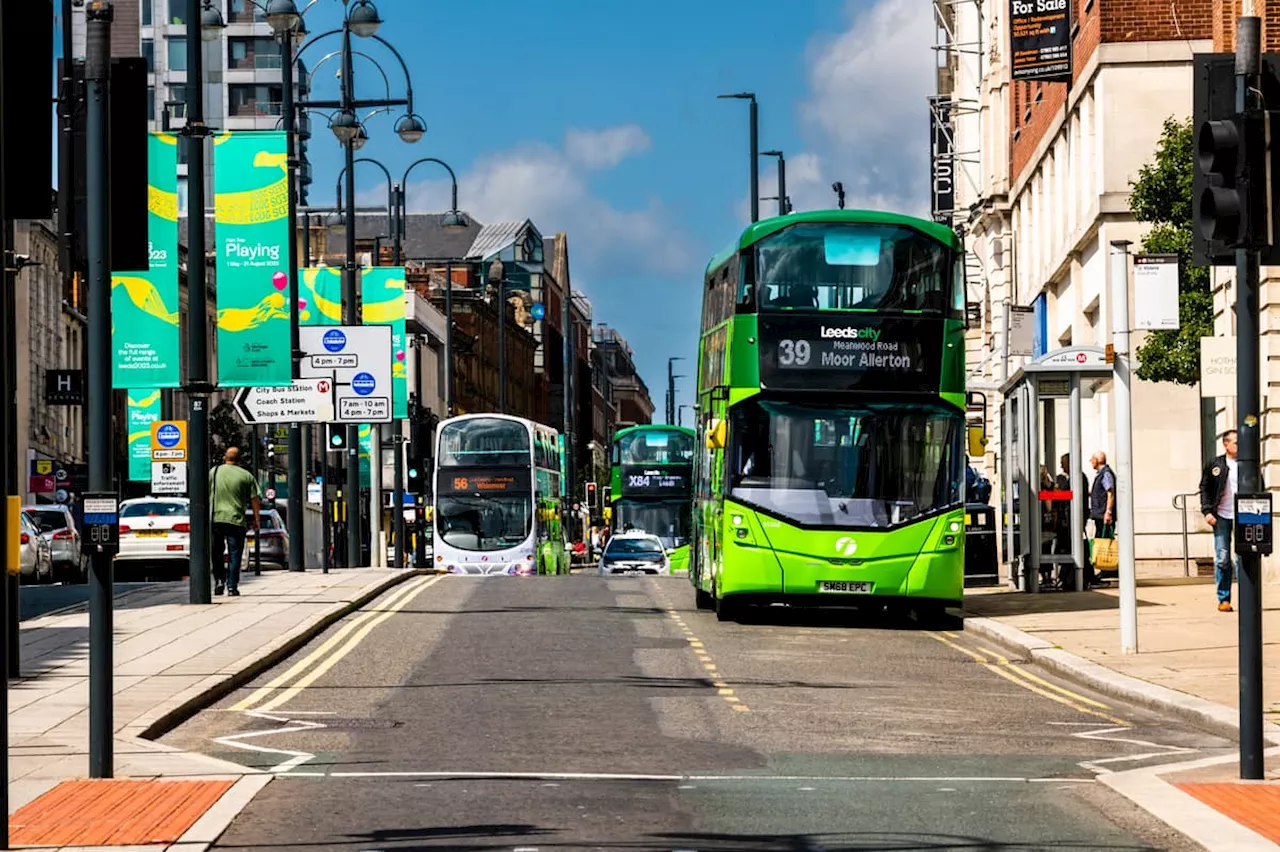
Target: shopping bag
[[1104, 550]]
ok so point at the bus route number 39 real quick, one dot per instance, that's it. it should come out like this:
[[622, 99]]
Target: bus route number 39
[[793, 353]]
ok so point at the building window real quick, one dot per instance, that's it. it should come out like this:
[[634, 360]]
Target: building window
[[250, 101], [182, 199], [149, 54], [178, 12], [244, 12], [151, 103], [248, 54], [146, 13], [176, 53]]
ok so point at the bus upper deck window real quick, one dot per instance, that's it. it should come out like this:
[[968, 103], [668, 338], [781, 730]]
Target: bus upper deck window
[[845, 248]]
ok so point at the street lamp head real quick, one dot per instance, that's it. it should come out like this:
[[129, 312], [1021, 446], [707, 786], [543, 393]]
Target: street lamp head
[[495, 271], [741, 96], [454, 220], [361, 137], [770, 153], [363, 19], [211, 23], [410, 128], [282, 16], [345, 126]]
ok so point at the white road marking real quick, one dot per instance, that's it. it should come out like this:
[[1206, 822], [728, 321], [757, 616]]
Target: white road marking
[[295, 758], [1097, 766], [622, 776]]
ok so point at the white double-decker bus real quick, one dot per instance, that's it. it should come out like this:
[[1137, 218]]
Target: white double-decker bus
[[496, 497]]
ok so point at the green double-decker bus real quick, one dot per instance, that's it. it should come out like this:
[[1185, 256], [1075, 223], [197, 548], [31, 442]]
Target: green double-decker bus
[[831, 460], [651, 486]]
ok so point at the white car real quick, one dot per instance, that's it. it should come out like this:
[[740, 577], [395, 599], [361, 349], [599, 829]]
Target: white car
[[155, 531], [634, 553], [36, 563]]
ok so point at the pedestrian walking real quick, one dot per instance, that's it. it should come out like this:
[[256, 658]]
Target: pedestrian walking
[[232, 490], [1062, 541], [1218, 485], [1102, 508]]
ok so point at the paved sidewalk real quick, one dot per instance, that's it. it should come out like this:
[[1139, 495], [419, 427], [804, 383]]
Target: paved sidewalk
[[171, 658], [1187, 665], [1184, 643]]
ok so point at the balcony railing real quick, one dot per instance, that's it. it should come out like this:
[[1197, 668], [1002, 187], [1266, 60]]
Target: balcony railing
[[255, 62], [258, 109]]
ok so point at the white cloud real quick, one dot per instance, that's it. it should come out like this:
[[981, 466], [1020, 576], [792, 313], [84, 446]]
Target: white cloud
[[865, 119], [604, 149], [551, 186]]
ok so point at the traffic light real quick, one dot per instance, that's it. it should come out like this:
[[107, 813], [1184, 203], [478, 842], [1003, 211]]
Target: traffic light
[[1234, 208], [592, 496], [413, 479], [337, 438]]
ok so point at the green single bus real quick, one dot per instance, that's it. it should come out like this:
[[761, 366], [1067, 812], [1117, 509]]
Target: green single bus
[[651, 486], [831, 460]]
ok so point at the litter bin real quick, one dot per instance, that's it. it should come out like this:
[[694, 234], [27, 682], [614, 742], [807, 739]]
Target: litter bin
[[981, 567]]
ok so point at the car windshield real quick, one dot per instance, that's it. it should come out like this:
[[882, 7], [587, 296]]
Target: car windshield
[[54, 519], [484, 442], [632, 546], [870, 467], [153, 509], [668, 520], [484, 523], [269, 521], [854, 266]]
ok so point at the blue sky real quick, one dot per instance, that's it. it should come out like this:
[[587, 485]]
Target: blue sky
[[600, 119]]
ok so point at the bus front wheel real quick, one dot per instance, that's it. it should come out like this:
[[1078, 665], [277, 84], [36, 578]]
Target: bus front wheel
[[704, 600], [726, 608]]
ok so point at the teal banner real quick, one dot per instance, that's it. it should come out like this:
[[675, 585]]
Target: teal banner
[[382, 303], [321, 302], [251, 217], [144, 303], [144, 409]]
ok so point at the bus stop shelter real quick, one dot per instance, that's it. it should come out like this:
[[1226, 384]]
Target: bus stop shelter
[[1029, 425]]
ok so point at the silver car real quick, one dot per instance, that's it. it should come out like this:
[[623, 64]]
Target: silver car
[[58, 527], [35, 564]]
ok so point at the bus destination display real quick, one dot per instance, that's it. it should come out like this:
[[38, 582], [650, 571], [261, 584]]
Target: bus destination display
[[642, 481], [481, 481], [867, 354]]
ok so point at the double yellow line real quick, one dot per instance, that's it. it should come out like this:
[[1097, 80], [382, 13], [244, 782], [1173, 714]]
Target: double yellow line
[[285, 687], [1013, 673]]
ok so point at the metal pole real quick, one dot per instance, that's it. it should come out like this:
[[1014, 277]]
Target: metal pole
[[256, 463], [8, 600], [351, 317], [783, 205], [98, 212], [324, 499], [397, 437], [1123, 518], [200, 591], [502, 347], [375, 496], [567, 354], [1248, 61], [755, 161], [1076, 464], [448, 339], [296, 478], [12, 469]]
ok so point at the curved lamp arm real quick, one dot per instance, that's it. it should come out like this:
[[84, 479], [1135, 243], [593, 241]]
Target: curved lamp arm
[[404, 182]]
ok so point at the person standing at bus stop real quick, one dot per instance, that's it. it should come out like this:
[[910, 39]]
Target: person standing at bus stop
[[232, 491], [1218, 486]]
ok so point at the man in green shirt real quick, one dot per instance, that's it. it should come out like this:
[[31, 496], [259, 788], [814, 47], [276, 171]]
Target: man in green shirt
[[232, 489]]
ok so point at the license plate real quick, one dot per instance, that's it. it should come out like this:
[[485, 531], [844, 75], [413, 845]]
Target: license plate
[[845, 587], [152, 533]]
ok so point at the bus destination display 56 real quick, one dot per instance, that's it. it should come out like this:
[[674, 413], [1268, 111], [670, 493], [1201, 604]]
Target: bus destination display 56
[[485, 481]]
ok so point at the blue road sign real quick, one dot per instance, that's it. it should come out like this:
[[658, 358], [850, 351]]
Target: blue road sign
[[364, 384], [168, 435], [334, 340]]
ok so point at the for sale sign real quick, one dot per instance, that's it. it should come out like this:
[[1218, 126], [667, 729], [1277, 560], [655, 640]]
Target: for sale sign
[[1040, 40]]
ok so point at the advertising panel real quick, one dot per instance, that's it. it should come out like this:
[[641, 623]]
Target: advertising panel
[[382, 303], [144, 409], [941, 165], [251, 197], [144, 303], [1040, 40], [321, 301]]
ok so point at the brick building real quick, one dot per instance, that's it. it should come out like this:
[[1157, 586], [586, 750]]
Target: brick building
[[1042, 190]]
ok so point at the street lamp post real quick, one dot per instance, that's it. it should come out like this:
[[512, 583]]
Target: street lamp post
[[496, 278], [362, 20], [784, 203], [755, 146]]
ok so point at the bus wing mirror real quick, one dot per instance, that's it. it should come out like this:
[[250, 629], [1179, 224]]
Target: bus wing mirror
[[977, 439], [716, 434]]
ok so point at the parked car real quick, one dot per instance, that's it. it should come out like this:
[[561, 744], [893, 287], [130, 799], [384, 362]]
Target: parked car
[[155, 536], [58, 526], [275, 541], [35, 564], [634, 553]]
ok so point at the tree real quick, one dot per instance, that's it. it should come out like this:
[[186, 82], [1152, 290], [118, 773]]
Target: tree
[[1162, 195], [225, 429]]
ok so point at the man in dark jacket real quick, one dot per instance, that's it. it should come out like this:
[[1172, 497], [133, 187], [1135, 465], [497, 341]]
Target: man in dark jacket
[[1218, 505]]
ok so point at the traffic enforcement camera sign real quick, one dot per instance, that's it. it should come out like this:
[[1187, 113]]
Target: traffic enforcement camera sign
[[1253, 523], [169, 441], [101, 532]]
